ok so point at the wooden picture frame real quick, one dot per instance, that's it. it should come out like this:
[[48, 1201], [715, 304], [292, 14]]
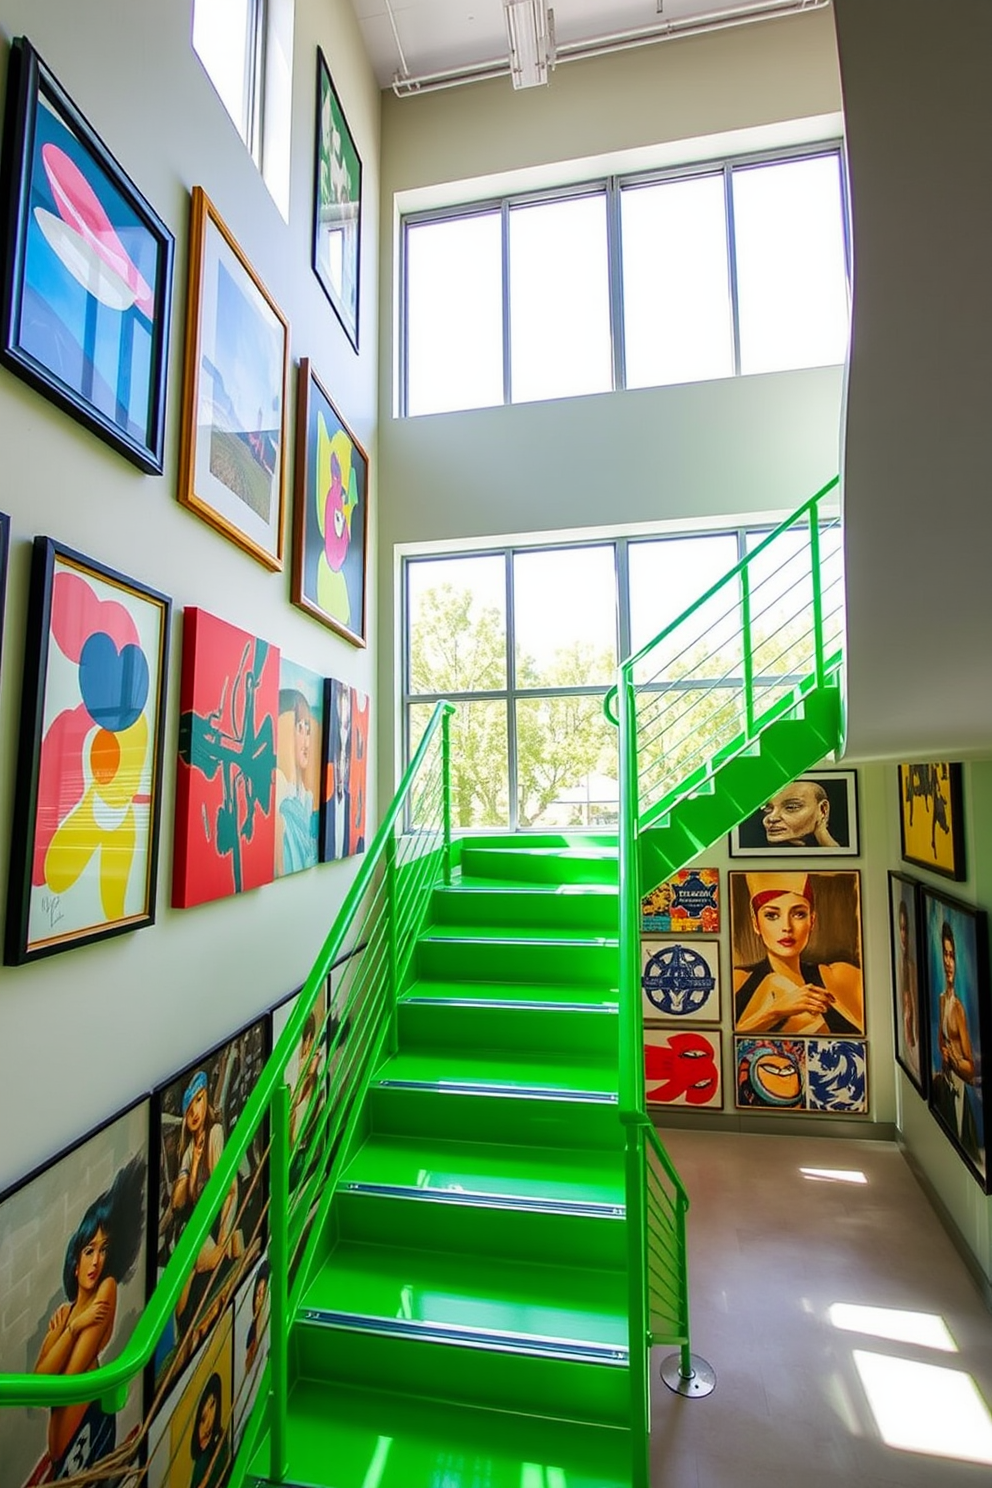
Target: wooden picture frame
[[680, 980], [233, 440], [796, 953], [821, 1076], [337, 206], [331, 514], [909, 1013], [955, 955], [816, 814], [931, 821], [52, 1263], [84, 846], [87, 269]]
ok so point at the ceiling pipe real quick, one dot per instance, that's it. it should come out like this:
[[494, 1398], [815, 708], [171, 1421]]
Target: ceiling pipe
[[405, 86]]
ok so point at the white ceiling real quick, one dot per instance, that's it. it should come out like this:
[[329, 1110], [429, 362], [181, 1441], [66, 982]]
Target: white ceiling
[[439, 34]]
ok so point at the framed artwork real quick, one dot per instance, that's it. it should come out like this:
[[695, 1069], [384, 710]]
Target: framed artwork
[[796, 953], [345, 771], [331, 513], [305, 1073], [87, 281], [89, 775], [837, 1076], [225, 835], [73, 1272], [337, 206], [931, 818], [233, 442], [190, 1442], [251, 1343], [194, 1113], [683, 1067], [816, 814], [299, 757], [687, 903], [955, 954], [681, 980], [4, 551], [909, 1019], [829, 1076]]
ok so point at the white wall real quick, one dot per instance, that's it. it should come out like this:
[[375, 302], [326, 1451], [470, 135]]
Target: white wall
[[83, 1032], [918, 108], [710, 449]]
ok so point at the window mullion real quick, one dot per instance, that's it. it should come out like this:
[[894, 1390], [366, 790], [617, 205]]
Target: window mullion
[[614, 258], [735, 309], [511, 697], [505, 232], [622, 562]]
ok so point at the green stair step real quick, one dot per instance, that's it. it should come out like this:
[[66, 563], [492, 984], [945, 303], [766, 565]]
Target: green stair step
[[563, 1030], [485, 957], [586, 1079], [473, 1301], [589, 864], [590, 907], [367, 1438], [562, 1120], [584, 1180], [513, 994]]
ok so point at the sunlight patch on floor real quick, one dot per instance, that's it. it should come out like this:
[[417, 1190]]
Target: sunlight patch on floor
[[927, 1329], [926, 1408], [833, 1175]]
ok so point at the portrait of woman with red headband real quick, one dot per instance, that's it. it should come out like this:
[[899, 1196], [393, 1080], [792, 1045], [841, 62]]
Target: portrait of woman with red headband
[[797, 953]]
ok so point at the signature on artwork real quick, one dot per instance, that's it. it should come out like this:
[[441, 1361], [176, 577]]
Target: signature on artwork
[[51, 905]]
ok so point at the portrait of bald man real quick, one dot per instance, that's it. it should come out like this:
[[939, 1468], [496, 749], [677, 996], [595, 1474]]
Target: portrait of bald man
[[817, 813]]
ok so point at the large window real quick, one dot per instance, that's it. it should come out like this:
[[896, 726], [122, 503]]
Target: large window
[[728, 268], [526, 642]]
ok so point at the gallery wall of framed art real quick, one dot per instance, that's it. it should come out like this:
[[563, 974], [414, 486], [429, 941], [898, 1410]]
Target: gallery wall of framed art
[[97, 202]]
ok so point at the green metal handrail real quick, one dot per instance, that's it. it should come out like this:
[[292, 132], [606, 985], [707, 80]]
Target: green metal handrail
[[696, 696], [376, 929]]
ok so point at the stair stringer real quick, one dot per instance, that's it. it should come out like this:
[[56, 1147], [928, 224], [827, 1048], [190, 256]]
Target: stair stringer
[[740, 785]]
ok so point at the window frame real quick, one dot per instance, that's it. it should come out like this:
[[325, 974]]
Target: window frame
[[747, 534], [613, 187]]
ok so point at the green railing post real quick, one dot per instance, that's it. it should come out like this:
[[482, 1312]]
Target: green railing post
[[279, 1261], [639, 1334], [446, 792], [748, 656], [814, 563], [392, 930]]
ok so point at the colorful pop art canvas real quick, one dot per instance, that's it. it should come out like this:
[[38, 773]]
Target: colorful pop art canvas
[[687, 904], [190, 1443], [337, 206], [73, 1267], [770, 1073], [299, 757], [86, 807], [346, 771], [225, 786], [331, 513], [682, 1067], [195, 1113], [87, 269], [837, 1076], [680, 980]]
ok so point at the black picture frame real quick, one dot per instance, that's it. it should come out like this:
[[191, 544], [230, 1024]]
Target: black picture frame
[[909, 1020], [337, 206], [750, 839], [97, 346], [95, 682], [931, 803], [46, 1218], [956, 1088], [4, 552]]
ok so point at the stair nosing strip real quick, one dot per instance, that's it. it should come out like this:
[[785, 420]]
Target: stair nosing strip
[[496, 1340], [515, 1092], [514, 1004], [479, 1198], [587, 943]]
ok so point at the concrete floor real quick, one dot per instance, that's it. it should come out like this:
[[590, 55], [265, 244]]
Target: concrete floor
[[772, 1251]]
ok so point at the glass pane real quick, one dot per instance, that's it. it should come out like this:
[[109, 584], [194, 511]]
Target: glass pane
[[566, 763], [668, 576], [676, 282], [792, 283], [220, 40], [782, 601], [454, 314], [456, 621], [559, 300], [480, 786], [565, 617]]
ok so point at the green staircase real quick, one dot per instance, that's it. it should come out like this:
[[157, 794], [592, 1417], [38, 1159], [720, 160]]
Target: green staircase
[[476, 1235], [467, 1322]]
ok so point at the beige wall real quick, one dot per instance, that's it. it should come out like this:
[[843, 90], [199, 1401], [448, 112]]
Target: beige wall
[[83, 1032]]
